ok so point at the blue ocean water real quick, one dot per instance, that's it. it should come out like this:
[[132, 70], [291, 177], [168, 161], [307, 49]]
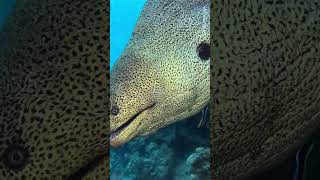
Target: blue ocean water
[[178, 152], [5, 8], [123, 17]]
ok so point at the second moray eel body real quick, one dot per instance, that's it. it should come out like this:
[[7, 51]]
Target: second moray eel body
[[265, 83]]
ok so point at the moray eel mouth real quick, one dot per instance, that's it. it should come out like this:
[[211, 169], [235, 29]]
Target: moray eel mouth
[[133, 121]]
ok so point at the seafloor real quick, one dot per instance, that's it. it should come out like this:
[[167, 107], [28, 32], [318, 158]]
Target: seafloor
[[178, 152]]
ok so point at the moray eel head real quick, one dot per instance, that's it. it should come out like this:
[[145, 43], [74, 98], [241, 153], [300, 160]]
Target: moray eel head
[[163, 74]]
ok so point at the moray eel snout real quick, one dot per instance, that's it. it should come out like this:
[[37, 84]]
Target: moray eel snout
[[163, 74], [114, 134], [132, 103]]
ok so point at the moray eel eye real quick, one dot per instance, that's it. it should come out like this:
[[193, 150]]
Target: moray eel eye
[[204, 51], [115, 110], [15, 157]]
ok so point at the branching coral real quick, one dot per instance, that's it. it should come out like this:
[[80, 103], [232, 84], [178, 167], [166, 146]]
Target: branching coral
[[199, 163], [170, 153]]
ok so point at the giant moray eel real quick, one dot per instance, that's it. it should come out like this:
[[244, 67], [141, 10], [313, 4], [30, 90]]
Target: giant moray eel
[[265, 78], [163, 74], [53, 90]]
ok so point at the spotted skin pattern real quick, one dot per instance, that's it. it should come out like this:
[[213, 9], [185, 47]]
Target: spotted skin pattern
[[265, 83], [54, 89], [160, 73]]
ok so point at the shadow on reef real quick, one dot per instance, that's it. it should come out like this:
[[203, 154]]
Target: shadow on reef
[[180, 151]]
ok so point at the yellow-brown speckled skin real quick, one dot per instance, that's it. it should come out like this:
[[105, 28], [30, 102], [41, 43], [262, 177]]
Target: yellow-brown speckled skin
[[54, 88], [265, 82], [161, 66]]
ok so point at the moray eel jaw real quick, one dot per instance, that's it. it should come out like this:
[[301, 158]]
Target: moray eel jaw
[[149, 117], [116, 135], [146, 122]]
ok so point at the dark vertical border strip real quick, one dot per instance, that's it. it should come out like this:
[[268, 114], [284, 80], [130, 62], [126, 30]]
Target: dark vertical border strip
[[108, 85], [211, 122]]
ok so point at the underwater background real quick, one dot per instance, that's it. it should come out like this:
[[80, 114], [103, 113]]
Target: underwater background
[[180, 151], [5, 8]]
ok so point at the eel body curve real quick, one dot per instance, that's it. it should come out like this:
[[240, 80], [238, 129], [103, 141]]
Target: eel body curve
[[265, 83], [53, 90]]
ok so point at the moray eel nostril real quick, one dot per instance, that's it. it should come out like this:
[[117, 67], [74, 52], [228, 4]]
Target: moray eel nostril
[[115, 110]]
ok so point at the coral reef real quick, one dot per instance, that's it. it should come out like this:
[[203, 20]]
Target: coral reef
[[178, 152], [199, 163]]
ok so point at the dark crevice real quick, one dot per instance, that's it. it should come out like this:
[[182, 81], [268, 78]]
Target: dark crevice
[[87, 168]]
